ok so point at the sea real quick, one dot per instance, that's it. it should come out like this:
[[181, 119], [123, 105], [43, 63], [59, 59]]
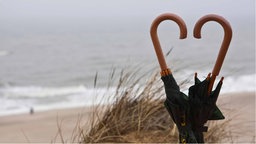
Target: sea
[[59, 63]]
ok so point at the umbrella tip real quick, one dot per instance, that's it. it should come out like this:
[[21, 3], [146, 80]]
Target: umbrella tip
[[208, 76], [222, 78], [195, 74]]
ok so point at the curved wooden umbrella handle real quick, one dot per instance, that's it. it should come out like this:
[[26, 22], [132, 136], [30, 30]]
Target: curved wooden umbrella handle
[[154, 37], [225, 43]]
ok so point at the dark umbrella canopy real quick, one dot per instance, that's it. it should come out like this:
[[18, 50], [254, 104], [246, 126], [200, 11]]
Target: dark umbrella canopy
[[177, 104], [191, 112], [203, 106], [199, 97]]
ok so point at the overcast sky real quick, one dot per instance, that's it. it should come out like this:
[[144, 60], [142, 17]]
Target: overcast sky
[[118, 8]]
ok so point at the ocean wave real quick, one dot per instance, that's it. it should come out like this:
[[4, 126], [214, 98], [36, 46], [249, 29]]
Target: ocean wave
[[231, 83], [19, 99], [40, 92], [243, 83]]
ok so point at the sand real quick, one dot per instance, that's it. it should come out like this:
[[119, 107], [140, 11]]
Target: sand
[[239, 108], [42, 127]]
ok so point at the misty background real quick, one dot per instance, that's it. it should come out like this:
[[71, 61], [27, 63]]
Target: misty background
[[51, 50]]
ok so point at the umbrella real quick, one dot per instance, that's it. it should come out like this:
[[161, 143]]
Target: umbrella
[[190, 113], [177, 103], [201, 97]]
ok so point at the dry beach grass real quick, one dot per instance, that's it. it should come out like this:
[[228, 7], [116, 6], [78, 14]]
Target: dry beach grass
[[138, 115]]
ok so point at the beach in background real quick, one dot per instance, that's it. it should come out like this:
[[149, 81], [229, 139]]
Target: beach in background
[[52, 51], [64, 125], [49, 60]]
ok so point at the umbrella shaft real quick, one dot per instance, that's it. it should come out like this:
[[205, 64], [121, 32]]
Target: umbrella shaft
[[159, 53], [213, 77]]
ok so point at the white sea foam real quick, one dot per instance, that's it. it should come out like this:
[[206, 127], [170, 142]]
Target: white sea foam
[[15, 99], [40, 92], [244, 83]]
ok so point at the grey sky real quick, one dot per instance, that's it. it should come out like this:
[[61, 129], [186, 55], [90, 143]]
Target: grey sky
[[118, 8]]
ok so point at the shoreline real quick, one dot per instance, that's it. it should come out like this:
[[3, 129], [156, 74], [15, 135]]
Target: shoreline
[[239, 107], [35, 110]]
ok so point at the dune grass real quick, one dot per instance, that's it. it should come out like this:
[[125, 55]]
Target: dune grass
[[137, 114]]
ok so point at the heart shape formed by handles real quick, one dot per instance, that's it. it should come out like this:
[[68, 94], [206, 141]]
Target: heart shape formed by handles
[[197, 34]]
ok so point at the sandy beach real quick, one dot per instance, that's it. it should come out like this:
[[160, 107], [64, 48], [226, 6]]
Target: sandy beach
[[43, 126], [239, 108]]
